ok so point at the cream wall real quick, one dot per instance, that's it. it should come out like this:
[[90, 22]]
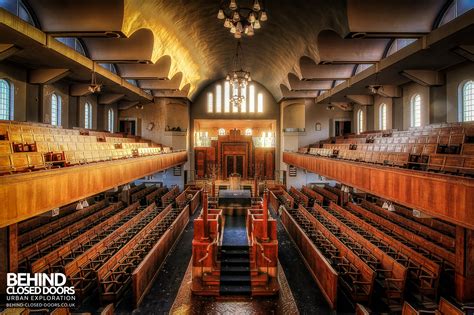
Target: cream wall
[[455, 80], [17, 77]]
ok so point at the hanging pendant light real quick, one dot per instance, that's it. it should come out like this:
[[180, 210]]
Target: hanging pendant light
[[227, 23], [220, 14], [256, 6], [85, 204], [238, 34], [256, 25], [385, 205], [79, 206], [233, 5], [233, 29], [391, 208], [263, 16]]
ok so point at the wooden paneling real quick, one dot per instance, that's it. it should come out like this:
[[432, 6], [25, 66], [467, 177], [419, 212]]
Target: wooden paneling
[[447, 197], [23, 196]]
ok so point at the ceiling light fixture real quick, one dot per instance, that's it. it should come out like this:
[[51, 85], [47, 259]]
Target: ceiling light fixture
[[238, 78], [240, 19]]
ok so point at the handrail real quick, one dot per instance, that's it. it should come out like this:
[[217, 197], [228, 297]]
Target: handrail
[[262, 251], [207, 248]]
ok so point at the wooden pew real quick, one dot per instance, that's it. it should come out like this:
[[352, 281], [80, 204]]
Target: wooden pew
[[328, 195], [393, 273], [43, 230], [80, 244], [316, 198], [82, 271], [323, 273], [433, 235], [423, 272], [299, 197], [70, 232], [355, 274], [147, 270], [433, 223], [421, 242], [168, 198]]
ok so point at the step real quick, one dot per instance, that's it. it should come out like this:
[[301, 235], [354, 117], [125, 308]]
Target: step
[[235, 290], [235, 247], [235, 260], [234, 252], [235, 270], [244, 279]]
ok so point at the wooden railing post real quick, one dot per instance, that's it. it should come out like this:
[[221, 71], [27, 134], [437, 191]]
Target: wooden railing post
[[265, 216], [204, 215]]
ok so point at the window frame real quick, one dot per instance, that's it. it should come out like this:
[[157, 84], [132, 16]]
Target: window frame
[[88, 115], [56, 101], [467, 108], [383, 116], [415, 110], [360, 121], [9, 102]]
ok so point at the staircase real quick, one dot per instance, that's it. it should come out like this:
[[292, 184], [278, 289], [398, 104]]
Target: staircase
[[235, 271]]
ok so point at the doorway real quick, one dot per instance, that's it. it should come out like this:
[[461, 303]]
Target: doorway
[[234, 164], [128, 127], [342, 127]]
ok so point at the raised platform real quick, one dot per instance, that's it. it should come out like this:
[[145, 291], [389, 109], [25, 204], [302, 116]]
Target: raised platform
[[234, 202]]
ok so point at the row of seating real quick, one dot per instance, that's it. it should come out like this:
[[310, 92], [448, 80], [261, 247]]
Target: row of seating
[[444, 307], [423, 259]]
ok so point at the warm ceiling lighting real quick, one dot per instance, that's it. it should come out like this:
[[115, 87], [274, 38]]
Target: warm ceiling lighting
[[238, 78], [240, 19]]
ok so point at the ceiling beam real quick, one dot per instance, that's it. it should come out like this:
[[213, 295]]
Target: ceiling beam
[[389, 91], [424, 77], [109, 98], [172, 84], [8, 50], [46, 76], [466, 51], [345, 106], [361, 99], [287, 94], [123, 105]]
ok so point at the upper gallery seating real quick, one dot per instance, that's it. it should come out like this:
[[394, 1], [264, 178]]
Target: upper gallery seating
[[447, 148], [32, 146]]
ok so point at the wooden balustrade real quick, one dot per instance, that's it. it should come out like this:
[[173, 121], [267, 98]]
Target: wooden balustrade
[[22, 195], [427, 192]]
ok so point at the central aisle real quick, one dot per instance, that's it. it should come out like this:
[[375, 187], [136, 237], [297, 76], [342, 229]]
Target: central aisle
[[235, 233]]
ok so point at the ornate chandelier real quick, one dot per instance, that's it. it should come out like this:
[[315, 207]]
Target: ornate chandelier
[[242, 20], [238, 78]]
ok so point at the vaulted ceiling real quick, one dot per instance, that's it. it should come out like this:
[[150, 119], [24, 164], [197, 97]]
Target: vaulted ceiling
[[177, 47]]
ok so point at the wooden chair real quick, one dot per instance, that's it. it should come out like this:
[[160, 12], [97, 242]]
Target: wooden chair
[[19, 162]]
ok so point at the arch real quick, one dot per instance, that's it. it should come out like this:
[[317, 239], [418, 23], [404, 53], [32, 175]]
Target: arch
[[466, 91], [56, 109], [360, 121], [6, 100], [415, 110]]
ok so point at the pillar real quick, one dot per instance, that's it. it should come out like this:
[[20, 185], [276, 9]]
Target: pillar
[[464, 276]]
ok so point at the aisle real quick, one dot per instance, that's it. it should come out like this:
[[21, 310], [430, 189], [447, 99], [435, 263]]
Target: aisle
[[164, 291]]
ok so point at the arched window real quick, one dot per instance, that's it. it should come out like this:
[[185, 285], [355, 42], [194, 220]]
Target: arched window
[[221, 132], [383, 116], [218, 98], [210, 102], [252, 98], [110, 120], [360, 121], [248, 132], [74, 43], [468, 101], [88, 115], [226, 97], [6, 100], [260, 103], [415, 111], [111, 67], [18, 8], [56, 104]]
